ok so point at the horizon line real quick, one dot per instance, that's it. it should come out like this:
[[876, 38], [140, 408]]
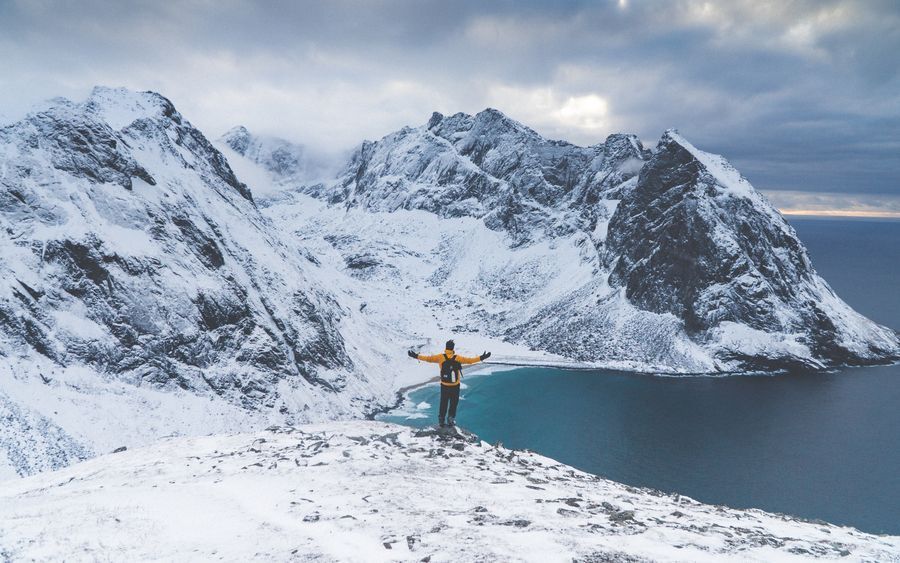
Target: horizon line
[[850, 213]]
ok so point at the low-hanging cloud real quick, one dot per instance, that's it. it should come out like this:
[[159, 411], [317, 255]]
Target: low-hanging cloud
[[801, 96]]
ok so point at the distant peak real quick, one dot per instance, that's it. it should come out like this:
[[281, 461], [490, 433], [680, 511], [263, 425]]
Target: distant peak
[[436, 118], [624, 144], [494, 114], [487, 116], [498, 120], [672, 135], [236, 131], [238, 138]]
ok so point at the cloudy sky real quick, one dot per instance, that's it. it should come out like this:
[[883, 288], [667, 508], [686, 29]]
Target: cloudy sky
[[803, 97]]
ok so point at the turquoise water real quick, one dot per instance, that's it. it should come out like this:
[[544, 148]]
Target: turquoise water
[[819, 445]]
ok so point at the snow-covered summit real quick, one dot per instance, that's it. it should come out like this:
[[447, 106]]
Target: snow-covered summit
[[487, 166], [120, 107], [368, 491], [727, 176]]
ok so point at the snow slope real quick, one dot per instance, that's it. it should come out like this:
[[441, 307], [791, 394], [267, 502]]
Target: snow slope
[[370, 491], [417, 279]]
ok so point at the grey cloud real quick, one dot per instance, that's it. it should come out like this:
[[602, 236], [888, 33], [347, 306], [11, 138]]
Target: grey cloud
[[800, 95]]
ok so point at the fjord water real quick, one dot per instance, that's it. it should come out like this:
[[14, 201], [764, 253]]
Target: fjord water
[[816, 445]]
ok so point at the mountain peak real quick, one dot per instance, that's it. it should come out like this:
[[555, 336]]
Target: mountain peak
[[493, 113], [236, 131], [120, 107], [238, 138], [436, 118], [727, 176], [487, 120], [495, 118], [283, 160]]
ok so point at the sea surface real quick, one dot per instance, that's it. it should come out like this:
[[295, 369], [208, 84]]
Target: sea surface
[[818, 445]]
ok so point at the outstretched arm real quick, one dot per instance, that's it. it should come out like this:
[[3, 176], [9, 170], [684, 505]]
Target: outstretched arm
[[474, 359], [435, 359]]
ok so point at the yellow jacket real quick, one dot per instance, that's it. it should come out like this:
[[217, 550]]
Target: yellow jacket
[[439, 359]]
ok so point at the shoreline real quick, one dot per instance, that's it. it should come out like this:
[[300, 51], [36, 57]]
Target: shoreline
[[483, 369]]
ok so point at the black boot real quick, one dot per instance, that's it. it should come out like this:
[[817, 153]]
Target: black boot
[[451, 422], [441, 422]]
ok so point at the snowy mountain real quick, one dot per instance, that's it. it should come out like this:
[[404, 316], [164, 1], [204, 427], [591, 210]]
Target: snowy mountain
[[490, 167], [695, 240], [136, 265], [281, 157], [367, 491], [665, 260]]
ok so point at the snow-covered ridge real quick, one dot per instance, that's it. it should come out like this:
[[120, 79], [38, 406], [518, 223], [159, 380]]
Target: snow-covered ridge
[[487, 166], [726, 174], [369, 491]]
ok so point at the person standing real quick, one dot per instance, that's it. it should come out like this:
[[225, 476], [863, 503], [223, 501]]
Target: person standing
[[451, 376]]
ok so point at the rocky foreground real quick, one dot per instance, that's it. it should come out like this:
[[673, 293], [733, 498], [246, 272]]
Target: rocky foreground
[[371, 491]]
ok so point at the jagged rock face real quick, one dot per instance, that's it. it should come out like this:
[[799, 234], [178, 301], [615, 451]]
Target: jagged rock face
[[79, 145], [549, 172], [687, 246], [131, 247], [491, 167], [697, 241]]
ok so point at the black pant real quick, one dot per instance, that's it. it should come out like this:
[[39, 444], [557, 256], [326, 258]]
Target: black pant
[[449, 396]]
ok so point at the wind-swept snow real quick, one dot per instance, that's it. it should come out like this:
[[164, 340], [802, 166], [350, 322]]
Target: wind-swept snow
[[370, 491]]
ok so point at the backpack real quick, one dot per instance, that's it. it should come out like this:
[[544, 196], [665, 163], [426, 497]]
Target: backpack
[[451, 369]]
